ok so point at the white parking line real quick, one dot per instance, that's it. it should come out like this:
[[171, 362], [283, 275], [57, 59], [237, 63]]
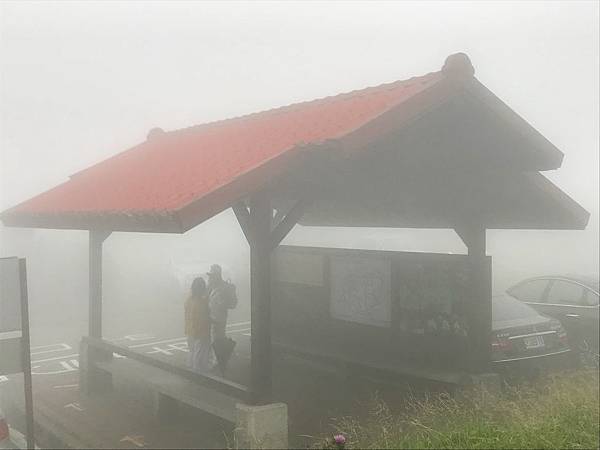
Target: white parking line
[[35, 347], [74, 355], [239, 331], [137, 440], [134, 337], [10, 335], [61, 347], [67, 366], [159, 350], [239, 323], [75, 406], [157, 342]]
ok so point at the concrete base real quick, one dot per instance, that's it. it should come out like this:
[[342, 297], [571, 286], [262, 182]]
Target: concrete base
[[261, 426], [91, 379]]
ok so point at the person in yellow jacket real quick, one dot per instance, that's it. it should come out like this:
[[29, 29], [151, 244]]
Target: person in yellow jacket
[[197, 327]]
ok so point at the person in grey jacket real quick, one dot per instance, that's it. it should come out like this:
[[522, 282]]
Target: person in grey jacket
[[221, 299]]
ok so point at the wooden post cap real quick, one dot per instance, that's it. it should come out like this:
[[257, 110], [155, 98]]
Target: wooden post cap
[[459, 65], [155, 133]]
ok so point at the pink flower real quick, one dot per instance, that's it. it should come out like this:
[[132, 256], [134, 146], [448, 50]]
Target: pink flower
[[339, 439]]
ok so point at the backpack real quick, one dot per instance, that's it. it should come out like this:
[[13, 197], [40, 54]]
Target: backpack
[[229, 295]]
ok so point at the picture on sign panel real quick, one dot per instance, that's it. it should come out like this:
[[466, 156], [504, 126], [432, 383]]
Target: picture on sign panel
[[431, 297], [10, 295], [361, 290]]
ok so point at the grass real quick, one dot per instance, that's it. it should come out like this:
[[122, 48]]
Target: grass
[[559, 411]]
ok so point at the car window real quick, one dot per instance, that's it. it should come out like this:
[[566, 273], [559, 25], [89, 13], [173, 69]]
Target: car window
[[590, 298], [529, 291], [507, 308], [565, 293]]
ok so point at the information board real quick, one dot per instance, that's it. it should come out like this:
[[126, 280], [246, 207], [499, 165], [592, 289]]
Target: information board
[[361, 290]]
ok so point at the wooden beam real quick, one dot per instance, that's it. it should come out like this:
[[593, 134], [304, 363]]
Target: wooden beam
[[278, 217], [96, 238], [473, 238], [243, 217], [288, 222], [261, 214]]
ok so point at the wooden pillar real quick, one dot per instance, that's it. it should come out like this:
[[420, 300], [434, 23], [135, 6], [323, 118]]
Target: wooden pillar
[[96, 238], [259, 222], [479, 298], [256, 225]]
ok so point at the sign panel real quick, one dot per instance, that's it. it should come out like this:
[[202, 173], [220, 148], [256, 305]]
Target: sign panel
[[10, 354], [10, 295], [361, 290]]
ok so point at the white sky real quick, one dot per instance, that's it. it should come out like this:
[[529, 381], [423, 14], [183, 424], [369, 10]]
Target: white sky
[[83, 80]]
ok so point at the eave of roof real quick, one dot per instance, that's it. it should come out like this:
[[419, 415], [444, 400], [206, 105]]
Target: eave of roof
[[104, 196]]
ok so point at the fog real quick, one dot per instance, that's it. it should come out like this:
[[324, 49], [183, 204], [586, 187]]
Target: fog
[[82, 81]]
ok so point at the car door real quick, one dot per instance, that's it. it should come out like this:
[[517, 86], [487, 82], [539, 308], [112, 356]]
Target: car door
[[533, 292], [590, 317], [575, 308]]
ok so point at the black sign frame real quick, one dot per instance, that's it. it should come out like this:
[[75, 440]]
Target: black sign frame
[[20, 347]]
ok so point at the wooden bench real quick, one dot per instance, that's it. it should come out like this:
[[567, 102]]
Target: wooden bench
[[172, 384]]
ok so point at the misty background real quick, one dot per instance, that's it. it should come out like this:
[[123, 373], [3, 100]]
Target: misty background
[[81, 81]]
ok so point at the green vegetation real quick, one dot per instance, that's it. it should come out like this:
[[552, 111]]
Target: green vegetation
[[559, 411]]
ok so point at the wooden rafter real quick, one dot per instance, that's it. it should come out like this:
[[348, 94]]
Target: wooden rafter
[[243, 216], [287, 223]]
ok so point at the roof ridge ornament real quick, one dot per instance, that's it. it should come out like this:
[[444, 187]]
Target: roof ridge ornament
[[458, 65], [154, 133]]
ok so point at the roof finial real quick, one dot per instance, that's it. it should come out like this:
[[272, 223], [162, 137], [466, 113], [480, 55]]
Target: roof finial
[[154, 133], [458, 64]]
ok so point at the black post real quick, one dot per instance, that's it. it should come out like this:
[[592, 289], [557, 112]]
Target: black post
[[260, 218], [479, 297], [96, 239], [26, 357]]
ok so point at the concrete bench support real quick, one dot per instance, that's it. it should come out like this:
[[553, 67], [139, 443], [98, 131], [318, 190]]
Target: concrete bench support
[[91, 379], [261, 426], [166, 409]]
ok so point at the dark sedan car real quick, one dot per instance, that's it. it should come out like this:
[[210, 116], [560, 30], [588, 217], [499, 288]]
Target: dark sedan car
[[521, 333], [572, 300]]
